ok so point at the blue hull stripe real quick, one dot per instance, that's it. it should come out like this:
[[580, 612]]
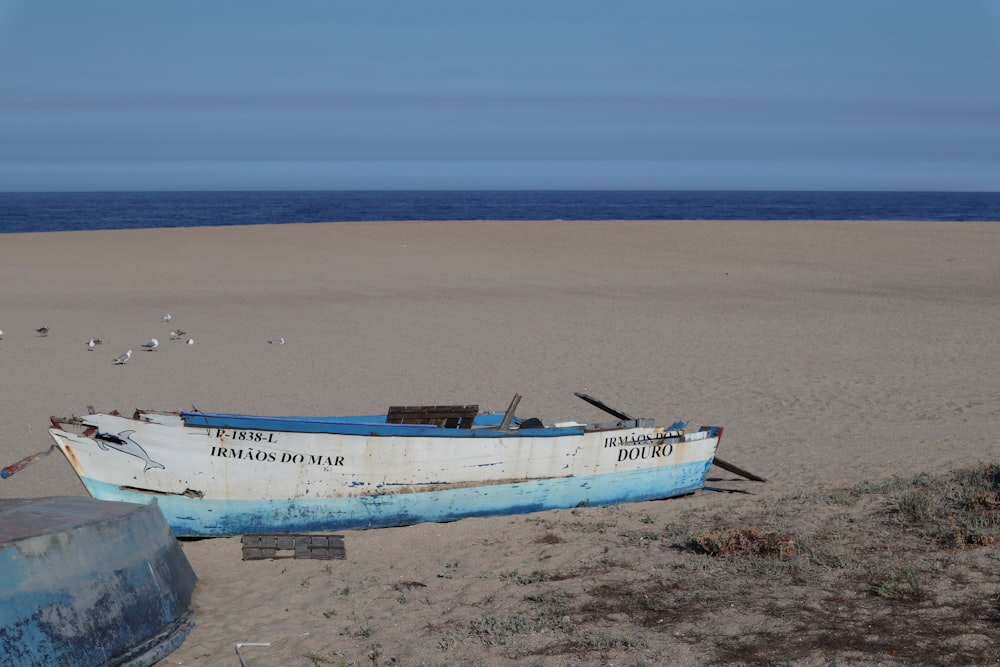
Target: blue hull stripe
[[368, 425], [203, 516]]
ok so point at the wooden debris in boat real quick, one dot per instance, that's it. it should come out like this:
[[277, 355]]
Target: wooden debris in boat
[[445, 416]]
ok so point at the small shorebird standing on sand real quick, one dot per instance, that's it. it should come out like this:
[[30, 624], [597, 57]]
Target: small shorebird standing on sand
[[42, 331], [90, 345], [177, 333], [123, 358], [167, 318], [151, 345], [277, 341]]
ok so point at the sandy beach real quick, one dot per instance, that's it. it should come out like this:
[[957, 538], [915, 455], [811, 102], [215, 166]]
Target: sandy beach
[[833, 353]]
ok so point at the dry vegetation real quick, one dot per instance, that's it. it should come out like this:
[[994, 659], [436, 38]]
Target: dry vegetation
[[900, 572]]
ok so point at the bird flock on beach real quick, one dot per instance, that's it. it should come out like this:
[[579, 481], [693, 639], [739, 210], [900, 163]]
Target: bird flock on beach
[[149, 346]]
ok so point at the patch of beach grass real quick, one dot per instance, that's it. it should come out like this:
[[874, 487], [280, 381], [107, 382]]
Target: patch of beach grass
[[957, 510], [501, 630]]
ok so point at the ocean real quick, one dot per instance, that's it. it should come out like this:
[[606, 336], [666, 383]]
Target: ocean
[[67, 211]]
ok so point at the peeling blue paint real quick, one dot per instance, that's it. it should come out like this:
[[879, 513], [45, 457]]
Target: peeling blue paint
[[198, 516]]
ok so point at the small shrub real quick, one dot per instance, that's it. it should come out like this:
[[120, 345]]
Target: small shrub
[[894, 591], [745, 541], [496, 630], [449, 570], [533, 578]]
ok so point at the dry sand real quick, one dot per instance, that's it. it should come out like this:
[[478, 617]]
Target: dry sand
[[832, 353]]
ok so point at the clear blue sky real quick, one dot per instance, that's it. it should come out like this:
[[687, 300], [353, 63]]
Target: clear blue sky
[[469, 94]]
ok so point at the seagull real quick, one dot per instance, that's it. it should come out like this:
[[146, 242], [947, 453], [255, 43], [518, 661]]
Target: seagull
[[123, 358], [177, 333], [190, 341], [42, 331], [1, 334], [277, 341], [90, 345], [167, 318], [151, 345]]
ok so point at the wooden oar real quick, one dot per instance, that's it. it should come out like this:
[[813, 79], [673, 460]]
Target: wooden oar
[[736, 470], [598, 404], [621, 415], [8, 471]]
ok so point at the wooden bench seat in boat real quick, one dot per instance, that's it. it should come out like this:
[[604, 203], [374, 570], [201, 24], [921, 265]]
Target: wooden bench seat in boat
[[445, 416]]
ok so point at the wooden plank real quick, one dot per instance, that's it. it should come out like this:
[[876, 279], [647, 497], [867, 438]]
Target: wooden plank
[[258, 546], [444, 416], [505, 424]]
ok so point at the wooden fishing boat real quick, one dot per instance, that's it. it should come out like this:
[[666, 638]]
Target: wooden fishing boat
[[227, 474]]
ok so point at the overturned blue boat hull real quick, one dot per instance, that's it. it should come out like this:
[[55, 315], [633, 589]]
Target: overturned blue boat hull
[[86, 582]]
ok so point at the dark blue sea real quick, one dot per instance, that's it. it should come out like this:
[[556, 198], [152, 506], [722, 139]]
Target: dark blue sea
[[62, 211]]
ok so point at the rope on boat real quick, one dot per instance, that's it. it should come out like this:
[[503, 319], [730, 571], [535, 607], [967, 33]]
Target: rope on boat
[[24, 463]]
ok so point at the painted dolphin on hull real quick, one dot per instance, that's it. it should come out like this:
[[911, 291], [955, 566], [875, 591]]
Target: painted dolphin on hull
[[126, 445]]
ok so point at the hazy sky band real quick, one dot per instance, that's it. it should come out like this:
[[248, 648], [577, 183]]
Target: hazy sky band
[[780, 93], [873, 175]]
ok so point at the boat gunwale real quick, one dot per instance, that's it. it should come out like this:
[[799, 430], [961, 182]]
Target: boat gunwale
[[375, 425]]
